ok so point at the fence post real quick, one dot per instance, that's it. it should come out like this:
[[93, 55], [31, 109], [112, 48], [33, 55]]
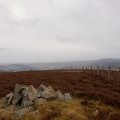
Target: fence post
[[102, 74], [91, 68], [82, 68], [119, 77], [97, 70], [109, 70]]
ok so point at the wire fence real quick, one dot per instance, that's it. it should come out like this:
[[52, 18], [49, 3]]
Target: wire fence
[[109, 73]]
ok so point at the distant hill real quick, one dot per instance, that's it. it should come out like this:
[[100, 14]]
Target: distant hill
[[115, 63]]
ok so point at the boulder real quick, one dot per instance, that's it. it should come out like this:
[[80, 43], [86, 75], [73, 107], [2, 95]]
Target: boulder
[[18, 87], [26, 102], [39, 94], [24, 95], [49, 93], [17, 99], [42, 88], [32, 92]]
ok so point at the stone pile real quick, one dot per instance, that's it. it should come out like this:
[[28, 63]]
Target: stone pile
[[24, 98]]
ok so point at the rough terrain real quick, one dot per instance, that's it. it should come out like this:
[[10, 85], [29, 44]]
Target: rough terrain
[[98, 97], [80, 84]]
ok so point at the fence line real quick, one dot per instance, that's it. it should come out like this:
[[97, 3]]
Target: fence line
[[107, 73]]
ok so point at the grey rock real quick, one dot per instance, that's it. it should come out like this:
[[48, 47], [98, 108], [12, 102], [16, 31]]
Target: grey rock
[[18, 87], [28, 98], [68, 97], [24, 93], [26, 103], [39, 94], [49, 93], [17, 99], [32, 93], [42, 88], [22, 111], [9, 98], [60, 96]]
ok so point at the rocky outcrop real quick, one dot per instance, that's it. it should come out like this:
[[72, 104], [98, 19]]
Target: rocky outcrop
[[24, 98]]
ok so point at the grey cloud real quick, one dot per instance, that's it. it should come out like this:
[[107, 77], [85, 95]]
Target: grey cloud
[[59, 30], [3, 49]]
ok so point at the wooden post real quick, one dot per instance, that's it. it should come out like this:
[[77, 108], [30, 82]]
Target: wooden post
[[91, 68], [109, 71], [86, 68], [82, 68], [102, 72], [119, 77], [98, 70]]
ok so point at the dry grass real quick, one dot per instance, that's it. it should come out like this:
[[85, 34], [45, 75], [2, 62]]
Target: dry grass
[[96, 110], [54, 110], [79, 109]]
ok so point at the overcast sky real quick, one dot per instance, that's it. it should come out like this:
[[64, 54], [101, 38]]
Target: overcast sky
[[59, 30]]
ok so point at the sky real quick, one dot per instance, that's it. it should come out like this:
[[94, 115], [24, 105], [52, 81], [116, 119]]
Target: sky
[[59, 30]]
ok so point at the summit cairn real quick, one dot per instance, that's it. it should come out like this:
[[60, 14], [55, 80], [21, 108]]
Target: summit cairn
[[24, 98]]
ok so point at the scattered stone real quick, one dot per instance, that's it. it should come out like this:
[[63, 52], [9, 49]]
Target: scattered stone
[[27, 98], [60, 96], [67, 97]]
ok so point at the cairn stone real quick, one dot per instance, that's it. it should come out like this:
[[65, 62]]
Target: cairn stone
[[32, 92], [39, 94], [60, 96], [9, 98], [26, 102], [28, 98], [42, 88], [68, 97], [18, 87], [49, 93], [17, 98]]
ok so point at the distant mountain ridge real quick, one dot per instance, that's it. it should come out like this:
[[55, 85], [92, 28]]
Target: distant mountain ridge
[[114, 63]]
